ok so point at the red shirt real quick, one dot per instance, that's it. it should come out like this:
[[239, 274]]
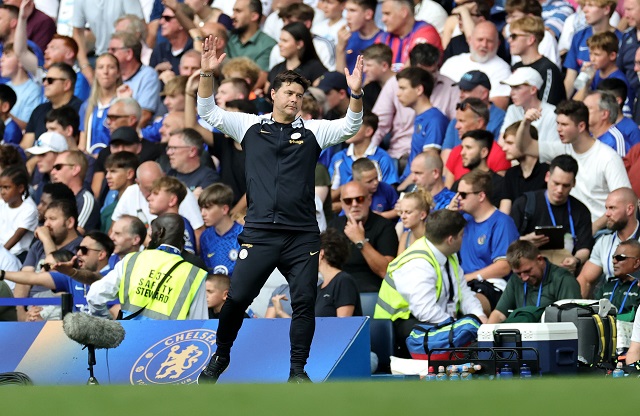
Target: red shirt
[[422, 32], [496, 161]]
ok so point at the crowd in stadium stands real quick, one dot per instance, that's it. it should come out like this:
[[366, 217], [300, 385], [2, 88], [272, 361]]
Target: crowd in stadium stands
[[508, 115]]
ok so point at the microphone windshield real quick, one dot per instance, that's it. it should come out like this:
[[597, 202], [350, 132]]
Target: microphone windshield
[[90, 330]]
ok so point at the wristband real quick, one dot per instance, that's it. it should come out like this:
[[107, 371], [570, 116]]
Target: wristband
[[357, 96], [479, 278], [206, 74]]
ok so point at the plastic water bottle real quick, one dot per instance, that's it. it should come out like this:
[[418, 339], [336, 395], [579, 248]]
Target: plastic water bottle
[[431, 375], [506, 373], [441, 376], [466, 375], [454, 376], [618, 372], [583, 78], [525, 371]]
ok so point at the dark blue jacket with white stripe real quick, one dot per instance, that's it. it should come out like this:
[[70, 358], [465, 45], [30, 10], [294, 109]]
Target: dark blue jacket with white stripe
[[280, 162]]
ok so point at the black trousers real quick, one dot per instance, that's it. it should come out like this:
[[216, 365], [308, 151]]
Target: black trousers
[[295, 254]]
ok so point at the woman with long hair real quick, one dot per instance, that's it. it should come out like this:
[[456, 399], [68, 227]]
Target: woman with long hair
[[94, 134], [296, 47], [413, 208]]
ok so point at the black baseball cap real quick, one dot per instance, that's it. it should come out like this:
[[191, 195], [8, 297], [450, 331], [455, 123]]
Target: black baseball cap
[[125, 134], [472, 79]]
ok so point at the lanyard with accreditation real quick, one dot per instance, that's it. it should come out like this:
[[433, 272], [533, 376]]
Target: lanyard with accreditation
[[544, 276]]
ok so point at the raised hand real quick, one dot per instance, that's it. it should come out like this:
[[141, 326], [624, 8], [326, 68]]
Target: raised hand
[[210, 61], [26, 8], [354, 79]]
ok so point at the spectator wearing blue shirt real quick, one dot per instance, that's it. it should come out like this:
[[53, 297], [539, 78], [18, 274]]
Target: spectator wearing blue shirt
[[486, 238], [597, 14], [415, 86], [27, 91], [359, 33], [219, 244], [426, 173], [383, 195], [360, 146], [603, 113], [12, 133], [166, 55], [625, 125]]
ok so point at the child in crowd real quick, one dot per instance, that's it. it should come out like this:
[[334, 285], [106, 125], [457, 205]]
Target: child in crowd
[[167, 193], [383, 196], [360, 32], [18, 216], [219, 245], [12, 132], [413, 209], [333, 21], [217, 287], [121, 173], [378, 59], [174, 96], [29, 93]]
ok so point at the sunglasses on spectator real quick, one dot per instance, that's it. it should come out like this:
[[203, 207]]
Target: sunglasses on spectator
[[51, 80], [84, 250], [167, 18], [622, 257], [359, 199], [514, 36], [463, 195], [464, 105], [59, 166]]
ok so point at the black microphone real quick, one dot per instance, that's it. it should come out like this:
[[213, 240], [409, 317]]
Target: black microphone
[[90, 330]]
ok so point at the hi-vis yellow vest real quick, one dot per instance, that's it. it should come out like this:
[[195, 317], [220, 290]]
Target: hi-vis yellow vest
[[144, 270], [391, 304]]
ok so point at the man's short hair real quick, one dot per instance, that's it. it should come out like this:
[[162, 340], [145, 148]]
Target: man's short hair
[[68, 207], [59, 191], [483, 137], [191, 137], [617, 87], [607, 102], [366, 4], [136, 227], [477, 107], [532, 7], [336, 247], [360, 166], [424, 54], [245, 106], [103, 241], [378, 52], [220, 281], [520, 249], [566, 163], [576, 111], [13, 10], [370, 119], [122, 160], [604, 3], [69, 42], [136, 26], [632, 243], [530, 24], [513, 129], [479, 180], [8, 95], [67, 70], [129, 41], [290, 77], [76, 157], [442, 224], [239, 84], [248, 68], [409, 4], [131, 106], [299, 12], [418, 76], [170, 185], [216, 194], [605, 41], [256, 7], [66, 116]]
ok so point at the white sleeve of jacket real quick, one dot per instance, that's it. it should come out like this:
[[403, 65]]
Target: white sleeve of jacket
[[230, 123], [333, 132]]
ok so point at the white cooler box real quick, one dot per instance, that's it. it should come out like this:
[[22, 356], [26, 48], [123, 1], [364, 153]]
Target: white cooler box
[[557, 343]]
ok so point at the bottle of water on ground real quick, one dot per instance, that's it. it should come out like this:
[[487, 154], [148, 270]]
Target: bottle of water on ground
[[431, 375], [441, 376], [525, 371], [618, 372], [454, 375], [506, 373]]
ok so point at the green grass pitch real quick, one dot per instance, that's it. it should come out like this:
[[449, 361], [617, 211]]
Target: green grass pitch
[[546, 396]]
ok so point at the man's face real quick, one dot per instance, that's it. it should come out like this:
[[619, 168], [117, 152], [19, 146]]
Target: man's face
[[510, 149], [567, 129], [116, 48], [471, 153], [478, 91], [616, 213], [594, 14], [174, 102], [531, 271], [122, 239], [227, 92], [57, 224], [90, 259], [169, 24], [58, 86], [46, 161], [393, 17], [213, 214], [484, 43], [597, 117], [632, 12], [178, 152], [159, 201], [369, 179], [518, 42], [67, 170], [420, 175], [45, 200], [625, 261], [559, 185], [468, 197], [5, 24], [407, 95], [188, 65], [522, 94], [118, 178], [356, 16], [467, 120], [373, 70], [334, 98], [117, 117], [242, 16], [170, 123], [215, 296], [288, 99], [355, 201]]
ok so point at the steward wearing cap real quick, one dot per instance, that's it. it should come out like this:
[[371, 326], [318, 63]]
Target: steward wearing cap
[[525, 83], [156, 283]]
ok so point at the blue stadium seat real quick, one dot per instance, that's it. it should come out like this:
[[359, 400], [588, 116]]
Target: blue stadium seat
[[382, 335]]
